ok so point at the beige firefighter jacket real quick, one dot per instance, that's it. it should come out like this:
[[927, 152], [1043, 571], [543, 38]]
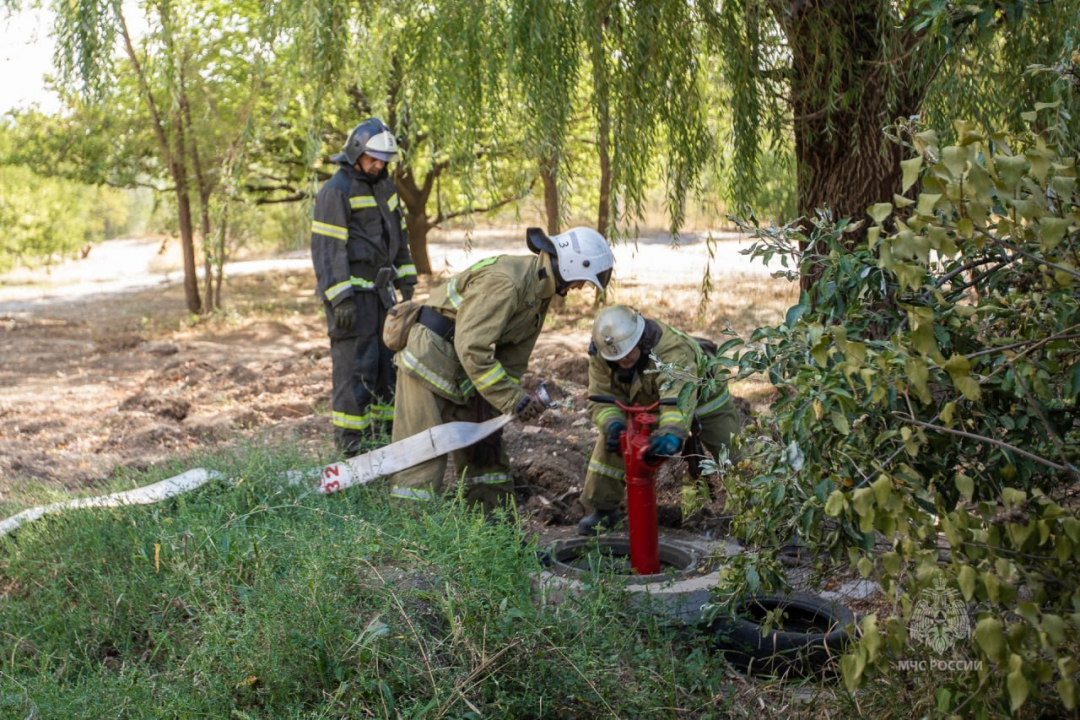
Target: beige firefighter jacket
[[674, 347], [498, 305]]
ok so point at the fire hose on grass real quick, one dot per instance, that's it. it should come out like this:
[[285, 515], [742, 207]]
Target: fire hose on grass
[[359, 470]]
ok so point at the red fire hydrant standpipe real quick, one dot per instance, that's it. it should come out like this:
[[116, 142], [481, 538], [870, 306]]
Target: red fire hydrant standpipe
[[640, 485]]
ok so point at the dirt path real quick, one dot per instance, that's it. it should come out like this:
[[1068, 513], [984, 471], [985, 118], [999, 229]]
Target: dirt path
[[101, 368]]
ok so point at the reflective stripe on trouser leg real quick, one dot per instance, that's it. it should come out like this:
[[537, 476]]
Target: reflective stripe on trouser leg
[[416, 409], [363, 372], [489, 484], [350, 421], [374, 379], [605, 480]]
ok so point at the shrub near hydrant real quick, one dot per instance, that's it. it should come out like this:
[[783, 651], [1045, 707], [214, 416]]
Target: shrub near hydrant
[[927, 427]]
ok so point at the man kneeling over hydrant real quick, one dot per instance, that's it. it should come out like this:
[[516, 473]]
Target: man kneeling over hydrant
[[619, 361]]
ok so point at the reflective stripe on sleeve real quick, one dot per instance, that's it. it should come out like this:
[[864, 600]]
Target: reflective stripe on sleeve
[[491, 377], [609, 413], [334, 231], [392, 202], [452, 294], [361, 282], [406, 271], [671, 416], [713, 405], [336, 290]]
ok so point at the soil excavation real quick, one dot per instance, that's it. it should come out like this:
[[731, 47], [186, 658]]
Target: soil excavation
[[103, 372]]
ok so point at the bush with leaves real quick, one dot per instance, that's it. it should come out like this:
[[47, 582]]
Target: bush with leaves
[[46, 220], [926, 425]]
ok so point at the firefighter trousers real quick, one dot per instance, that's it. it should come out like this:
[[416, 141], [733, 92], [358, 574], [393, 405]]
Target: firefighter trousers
[[486, 475], [363, 394], [605, 479]]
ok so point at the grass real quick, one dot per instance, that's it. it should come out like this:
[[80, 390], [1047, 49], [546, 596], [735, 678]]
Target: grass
[[257, 600]]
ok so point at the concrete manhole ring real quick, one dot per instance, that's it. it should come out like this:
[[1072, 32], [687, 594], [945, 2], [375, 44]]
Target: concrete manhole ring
[[679, 593], [573, 558]]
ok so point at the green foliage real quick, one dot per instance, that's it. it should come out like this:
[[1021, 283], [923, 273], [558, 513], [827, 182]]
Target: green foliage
[[46, 220], [926, 428], [247, 599]]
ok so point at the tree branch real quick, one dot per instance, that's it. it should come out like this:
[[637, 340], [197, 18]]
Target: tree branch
[[1069, 469], [441, 217], [1065, 334]]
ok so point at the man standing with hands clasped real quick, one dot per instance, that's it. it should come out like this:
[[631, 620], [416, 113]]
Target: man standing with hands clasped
[[360, 249]]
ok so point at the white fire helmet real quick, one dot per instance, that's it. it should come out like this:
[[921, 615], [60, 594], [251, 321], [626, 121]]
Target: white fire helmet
[[581, 254], [372, 137], [616, 331]]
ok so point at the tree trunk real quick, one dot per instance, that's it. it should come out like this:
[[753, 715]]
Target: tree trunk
[[415, 199], [187, 229], [187, 244], [841, 101], [603, 211], [175, 162], [549, 175], [848, 175], [418, 247]]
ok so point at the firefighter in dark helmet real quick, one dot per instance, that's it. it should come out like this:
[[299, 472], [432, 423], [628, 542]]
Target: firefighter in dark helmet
[[360, 248]]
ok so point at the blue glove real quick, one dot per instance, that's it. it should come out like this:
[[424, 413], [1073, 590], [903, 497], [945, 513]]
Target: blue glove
[[611, 442], [661, 447]]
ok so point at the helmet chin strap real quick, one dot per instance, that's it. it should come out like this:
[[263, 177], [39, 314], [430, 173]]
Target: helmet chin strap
[[561, 286]]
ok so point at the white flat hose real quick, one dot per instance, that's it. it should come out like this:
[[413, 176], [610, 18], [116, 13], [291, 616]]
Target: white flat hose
[[358, 470], [139, 496]]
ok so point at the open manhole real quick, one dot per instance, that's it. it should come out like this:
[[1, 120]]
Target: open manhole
[[583, 558]]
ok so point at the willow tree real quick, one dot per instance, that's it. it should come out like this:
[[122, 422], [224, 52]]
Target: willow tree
[[841, 71], [197, 71], [643, 90]]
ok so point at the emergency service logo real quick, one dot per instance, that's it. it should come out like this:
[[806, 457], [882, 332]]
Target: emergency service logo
[[939, 618]]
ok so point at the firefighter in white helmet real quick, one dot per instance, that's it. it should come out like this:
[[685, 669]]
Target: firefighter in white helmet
[[469, 348], [360, 249], [620, 356]]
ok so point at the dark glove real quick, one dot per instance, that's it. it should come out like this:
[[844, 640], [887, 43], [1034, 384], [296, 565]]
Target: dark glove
[[407, 291], [529, 408], [345, 314], [611, 443], [661, 447]]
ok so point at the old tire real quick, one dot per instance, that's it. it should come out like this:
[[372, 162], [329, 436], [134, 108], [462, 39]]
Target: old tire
[[814, 632]]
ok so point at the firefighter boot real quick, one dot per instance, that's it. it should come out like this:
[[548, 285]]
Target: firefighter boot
[[599, 522]]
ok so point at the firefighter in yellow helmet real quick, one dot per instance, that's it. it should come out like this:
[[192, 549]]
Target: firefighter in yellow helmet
[[469, 348], [619, 358]]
